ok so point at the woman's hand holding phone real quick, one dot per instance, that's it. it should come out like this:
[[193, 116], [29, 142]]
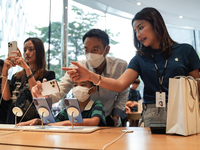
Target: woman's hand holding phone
[[7, 65], [12, 53], [18, 60], [15, 56]]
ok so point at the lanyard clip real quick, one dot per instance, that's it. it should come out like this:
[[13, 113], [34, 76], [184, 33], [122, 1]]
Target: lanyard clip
[[160, 90]]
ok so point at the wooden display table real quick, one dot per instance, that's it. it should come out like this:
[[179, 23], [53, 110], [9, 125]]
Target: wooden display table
[[140, 139]]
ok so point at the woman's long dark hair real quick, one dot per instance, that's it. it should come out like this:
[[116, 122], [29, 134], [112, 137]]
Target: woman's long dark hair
[[156, 20], [40, 61]]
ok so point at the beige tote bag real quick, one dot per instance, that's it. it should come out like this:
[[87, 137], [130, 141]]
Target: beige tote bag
[[183, 115]]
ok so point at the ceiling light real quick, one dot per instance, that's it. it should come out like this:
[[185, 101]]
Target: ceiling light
[[138, 3], [180, 17]]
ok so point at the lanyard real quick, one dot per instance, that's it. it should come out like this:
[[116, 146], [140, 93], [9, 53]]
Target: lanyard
[[158, 73]]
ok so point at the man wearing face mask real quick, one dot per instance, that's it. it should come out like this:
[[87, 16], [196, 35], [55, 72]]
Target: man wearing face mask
[[96, 47]]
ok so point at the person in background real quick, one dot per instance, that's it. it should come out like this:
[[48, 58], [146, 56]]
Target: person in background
[[96, 48], [158, 58], [92, 111], [18, 90], [3, 104], [133, 97], [132, 103]]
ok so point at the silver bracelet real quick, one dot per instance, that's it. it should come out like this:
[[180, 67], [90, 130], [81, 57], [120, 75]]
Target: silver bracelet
[[99, 80]]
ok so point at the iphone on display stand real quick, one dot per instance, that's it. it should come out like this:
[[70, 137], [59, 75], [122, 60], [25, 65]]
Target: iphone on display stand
[[44, 110], [73, 110]]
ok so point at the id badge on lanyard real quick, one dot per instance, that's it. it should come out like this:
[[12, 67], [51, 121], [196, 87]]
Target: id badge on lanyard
[[160, 96], [160, 99]]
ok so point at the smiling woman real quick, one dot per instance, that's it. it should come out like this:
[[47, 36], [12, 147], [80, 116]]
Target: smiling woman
[[18, 91]]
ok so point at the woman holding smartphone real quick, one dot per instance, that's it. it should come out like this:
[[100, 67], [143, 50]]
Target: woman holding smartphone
[[18, 90]]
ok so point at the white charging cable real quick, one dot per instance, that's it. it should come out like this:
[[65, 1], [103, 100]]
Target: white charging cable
[[26, 112], [124, 132]]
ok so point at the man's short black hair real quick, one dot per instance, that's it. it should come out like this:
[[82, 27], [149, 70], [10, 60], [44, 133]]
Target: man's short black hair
[[1, 62], [102, 35]]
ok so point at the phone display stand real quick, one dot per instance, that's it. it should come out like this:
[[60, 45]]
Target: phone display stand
[[73, 112], [17, 112], [44, 113]]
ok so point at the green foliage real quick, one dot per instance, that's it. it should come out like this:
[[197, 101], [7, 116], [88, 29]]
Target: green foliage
[[2, 56], [83, 22]]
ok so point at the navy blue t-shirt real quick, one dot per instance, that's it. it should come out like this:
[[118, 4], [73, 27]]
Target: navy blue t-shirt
[[183, 60]]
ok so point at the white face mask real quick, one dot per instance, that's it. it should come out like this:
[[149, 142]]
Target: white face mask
[[95, 60], [81, 93]]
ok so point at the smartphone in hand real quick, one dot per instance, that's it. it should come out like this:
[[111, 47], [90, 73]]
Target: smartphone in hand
[[72, 107], [42, 104], [12, 47], [50, 87]]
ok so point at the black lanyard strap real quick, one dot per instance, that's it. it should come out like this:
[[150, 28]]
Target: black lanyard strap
[[158, 73]]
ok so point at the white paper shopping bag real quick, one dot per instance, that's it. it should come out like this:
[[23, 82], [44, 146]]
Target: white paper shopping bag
[[183, 116]]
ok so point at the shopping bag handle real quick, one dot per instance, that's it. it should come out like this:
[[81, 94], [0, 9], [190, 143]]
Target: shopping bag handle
[[187, 78], [197, 79]]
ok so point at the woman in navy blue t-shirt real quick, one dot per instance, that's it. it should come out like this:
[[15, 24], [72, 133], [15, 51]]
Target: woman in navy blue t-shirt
[[158, 58]]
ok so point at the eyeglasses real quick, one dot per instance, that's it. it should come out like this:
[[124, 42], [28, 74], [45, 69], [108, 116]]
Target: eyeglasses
[[30, 50], [95, 50]]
